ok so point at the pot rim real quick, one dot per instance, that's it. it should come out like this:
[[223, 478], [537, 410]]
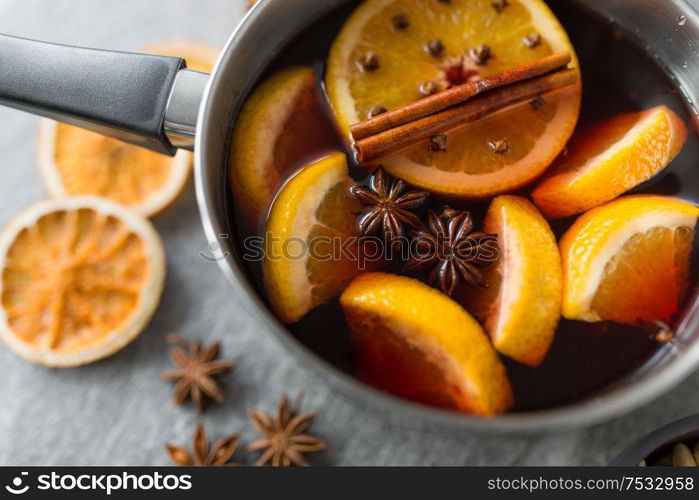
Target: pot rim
[[687, 427], [613, 402]]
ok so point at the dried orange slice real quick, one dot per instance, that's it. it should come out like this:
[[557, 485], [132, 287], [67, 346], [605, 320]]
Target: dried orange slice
[[628, 260], [521, 307], [73, 161], [416, 342], [610, 158], [311, 221], [280, 125], [81, 277], [388, 49]]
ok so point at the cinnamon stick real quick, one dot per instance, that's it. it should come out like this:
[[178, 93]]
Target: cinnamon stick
[[457, 95], [406, 135]]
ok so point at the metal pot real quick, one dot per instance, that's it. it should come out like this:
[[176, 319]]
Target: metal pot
[[684, 430], [154, 102]]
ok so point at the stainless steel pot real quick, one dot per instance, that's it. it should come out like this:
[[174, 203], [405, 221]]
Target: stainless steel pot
[[152, 101]]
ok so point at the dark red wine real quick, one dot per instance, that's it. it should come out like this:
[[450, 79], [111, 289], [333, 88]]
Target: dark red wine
[[584, 358]]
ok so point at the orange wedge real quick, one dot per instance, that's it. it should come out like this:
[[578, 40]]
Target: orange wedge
[[73, 161], [81, 277], [279, 126], [610, 158], [311, 220], [628, 260], [521, 307], [416, 342], [389, 49]]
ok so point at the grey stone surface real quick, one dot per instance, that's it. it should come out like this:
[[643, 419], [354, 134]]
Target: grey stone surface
[[119, 411]]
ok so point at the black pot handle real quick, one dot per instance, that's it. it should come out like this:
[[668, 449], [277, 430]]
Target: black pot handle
[[118, 94]]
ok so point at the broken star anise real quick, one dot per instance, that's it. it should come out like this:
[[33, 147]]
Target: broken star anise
[[196, 370], [389, 205], [284, 441], [452, 250], [201, 454]]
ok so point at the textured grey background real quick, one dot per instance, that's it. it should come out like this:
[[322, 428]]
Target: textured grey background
[[119, 412]]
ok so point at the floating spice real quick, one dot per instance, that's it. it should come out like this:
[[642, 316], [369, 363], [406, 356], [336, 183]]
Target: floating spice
[[480, 54], [400, 22], [500, 5], [389, 204], [416, 122], [428, 88], [537, 102], [532, 40], [435, 48], [376, 111], [451, 249], [438, 143], [499, 146], [369, 61]]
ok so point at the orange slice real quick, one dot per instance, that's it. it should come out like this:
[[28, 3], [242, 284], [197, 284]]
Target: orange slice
[[609, 159], [522, 305], [418, 343], [628, 260], [73, 161], [311, 221], [81, 278], [278, 127], [376, 63]]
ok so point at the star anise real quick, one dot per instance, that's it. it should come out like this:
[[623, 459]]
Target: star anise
[[452, 250], [390, 205], [201, 454], [284, 441], [197, 368]]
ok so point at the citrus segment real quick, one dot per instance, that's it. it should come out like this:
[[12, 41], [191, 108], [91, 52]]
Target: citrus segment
[[312, 245], [278, 127], [403, 59], [74, 161], [81, 278], [610, 158], [418, 343], [628, 261], [522, 305]]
